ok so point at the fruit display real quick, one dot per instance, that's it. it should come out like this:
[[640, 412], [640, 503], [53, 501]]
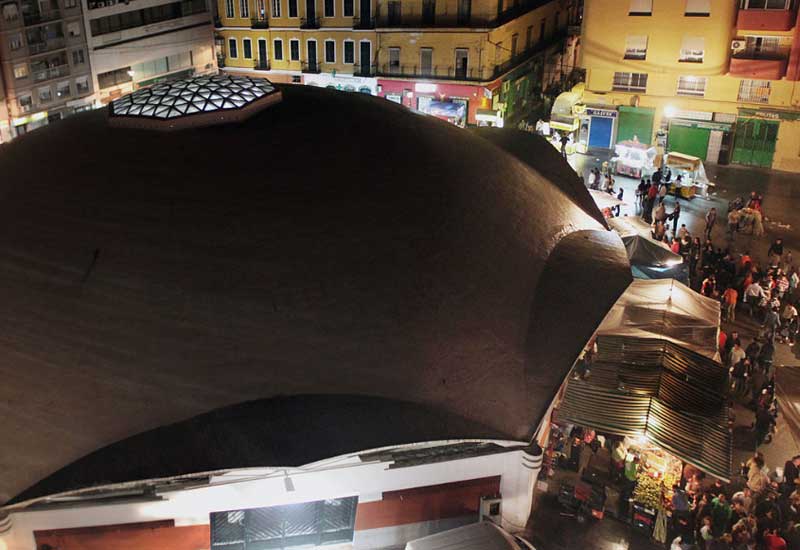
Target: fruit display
[[648, 491]]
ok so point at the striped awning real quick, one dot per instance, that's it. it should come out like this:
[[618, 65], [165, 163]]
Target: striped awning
[[703, 441]]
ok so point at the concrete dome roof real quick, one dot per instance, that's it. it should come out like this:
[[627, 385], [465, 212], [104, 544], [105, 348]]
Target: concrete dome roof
[[332, 244]]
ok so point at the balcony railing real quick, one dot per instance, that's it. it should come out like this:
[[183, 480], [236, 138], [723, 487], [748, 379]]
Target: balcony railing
[[759, 67], [419, 20], [41, 17], [765, 19], [217, 22], [311, 67], [363, 22], [365, 70], [259, 22], [436, 72], [261, 64], [309, 23], [50, 45], [50, 73]]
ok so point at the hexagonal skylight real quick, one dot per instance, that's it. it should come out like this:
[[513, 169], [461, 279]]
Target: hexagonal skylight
[[195, 101]]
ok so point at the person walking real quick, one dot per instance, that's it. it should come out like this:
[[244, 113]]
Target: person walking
[[772, 323], [592, 179], [775, 251], [729, 298], [711, 219], [662, 192], [674, 215], [661, 213]]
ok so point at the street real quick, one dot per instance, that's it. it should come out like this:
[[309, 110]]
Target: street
[[548, 529]]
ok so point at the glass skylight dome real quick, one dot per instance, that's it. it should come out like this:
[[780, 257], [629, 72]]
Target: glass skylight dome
[[195, 101]]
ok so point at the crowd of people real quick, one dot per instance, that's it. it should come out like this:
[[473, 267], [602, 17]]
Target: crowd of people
[[763, 513]]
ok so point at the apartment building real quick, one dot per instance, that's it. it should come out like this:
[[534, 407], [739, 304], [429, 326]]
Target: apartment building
[[467, 61], [135, 43], [712, 78], [46, 73]]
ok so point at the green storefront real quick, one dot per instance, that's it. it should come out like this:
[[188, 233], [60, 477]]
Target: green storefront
[[754, 141], [635, 122], [688, 137]]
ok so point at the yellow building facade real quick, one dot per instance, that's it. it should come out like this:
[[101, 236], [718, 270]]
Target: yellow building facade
[[435, 49], [714, 78]]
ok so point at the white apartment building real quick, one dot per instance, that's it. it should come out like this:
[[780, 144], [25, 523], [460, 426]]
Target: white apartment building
[[136, 43]]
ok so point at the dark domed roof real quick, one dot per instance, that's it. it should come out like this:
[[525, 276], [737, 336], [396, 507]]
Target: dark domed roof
[[332, 244]]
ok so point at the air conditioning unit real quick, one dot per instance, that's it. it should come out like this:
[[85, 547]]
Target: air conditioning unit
[[490, 509], [738, 46]]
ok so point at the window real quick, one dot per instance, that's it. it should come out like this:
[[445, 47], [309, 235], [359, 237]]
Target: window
[[347, 8], [762, 47], [395, 12], [78, 57], [528, 37], [698, 8], [292, 8], [25, 102], [21, 71], [276, 8], [45, 94], [15, 41], [247, 48], [692, 86], [74, 28], [766, 4], [636, 47], [542, 29], [425, 61], [349, 52], [261, 8], [630, 82], [294, 49], [328, 8], [70, 3], [754, 91], [82, 84], [394, 60], [692, 49], [462, 60], [232, 51], [464, 12], [277, 49], [63, 89], [10, 11], [114, 78], [514, 41], [429, 12], [641, 7], [310, 524], [147, 16], [244, 8], [330, 51], [229, 8]]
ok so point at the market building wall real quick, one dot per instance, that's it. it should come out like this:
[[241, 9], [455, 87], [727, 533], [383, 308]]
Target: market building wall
[[608, 28]]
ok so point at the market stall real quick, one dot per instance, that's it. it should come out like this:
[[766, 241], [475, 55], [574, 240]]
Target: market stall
[[693, 175], [634, 159], [650, 259]]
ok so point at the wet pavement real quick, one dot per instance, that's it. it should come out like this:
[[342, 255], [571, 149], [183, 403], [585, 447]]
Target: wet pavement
[[548, 528]]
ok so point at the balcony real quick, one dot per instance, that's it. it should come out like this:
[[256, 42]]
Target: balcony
[[259, 23], [419, 21], [364, 70], [760, 68], [41, 47], [261, 64], [50, 73], [433, 73], [220, 61], [365, 23], [312, 68], [41, 17], [765, 20], [217, 22], [309, 23]]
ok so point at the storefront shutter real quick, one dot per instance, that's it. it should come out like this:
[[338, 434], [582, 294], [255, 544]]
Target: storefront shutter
[[635, 121], [688, 140]]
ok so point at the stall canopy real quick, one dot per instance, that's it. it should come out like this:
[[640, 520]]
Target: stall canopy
[[656, 374], [666, 309], [643, 250], [605, 200]]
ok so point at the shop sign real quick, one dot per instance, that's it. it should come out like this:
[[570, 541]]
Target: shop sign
[[343, 82], [608, 113], [700, 124], [769, 115], [31, 118]]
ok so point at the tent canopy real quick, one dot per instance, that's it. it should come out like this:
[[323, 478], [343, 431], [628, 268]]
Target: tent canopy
[[605, 200], [667, 309], [787, 390]]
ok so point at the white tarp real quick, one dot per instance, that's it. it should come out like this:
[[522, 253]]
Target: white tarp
[[665, 308]]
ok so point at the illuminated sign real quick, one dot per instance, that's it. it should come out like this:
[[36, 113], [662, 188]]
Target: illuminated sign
[[425, 87]]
